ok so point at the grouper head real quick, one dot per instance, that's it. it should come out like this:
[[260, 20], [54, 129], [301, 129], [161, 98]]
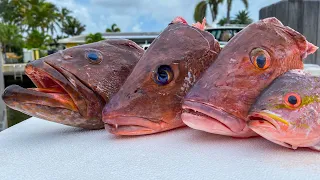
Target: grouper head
[[288, 111], [150, 99], [73, 85], [220, 101]]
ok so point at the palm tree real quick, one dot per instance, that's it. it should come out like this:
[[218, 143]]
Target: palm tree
[[10, 36], [201, 9], [91, 38], [37, 39], [114, 28], [229, 5], [72, 27], [64, 14], [243, 18], [40, 15]]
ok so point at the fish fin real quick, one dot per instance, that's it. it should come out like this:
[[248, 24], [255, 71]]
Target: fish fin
[[199, 25], [179, 19], [311, 48], [306, 48], [315, 147], [272, 20]]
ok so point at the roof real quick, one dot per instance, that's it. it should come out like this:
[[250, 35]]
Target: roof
[[113, 35], [225, 27]]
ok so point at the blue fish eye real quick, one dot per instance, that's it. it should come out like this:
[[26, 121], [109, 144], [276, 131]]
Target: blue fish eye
[[261, 61], [260, 58], [94, 57], [292, 100], [163, 75]]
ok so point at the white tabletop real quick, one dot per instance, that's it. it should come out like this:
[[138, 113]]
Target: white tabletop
[[38, 149]]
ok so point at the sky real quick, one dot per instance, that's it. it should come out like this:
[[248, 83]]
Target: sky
[[145, 15]]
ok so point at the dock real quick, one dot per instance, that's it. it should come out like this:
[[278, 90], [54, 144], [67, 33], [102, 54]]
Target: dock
[[15, 70]]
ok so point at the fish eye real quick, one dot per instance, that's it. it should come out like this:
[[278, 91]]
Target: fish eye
[[260, 58], [163, 75], [94, 57], [292, 100]]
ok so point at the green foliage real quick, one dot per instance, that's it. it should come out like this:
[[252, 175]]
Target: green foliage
[[10, 36], [72, 27], [229, 6], [243, 18], [91, 38], [201, 8], [200, 11], [114, 28], [38, 18], [37, 39]]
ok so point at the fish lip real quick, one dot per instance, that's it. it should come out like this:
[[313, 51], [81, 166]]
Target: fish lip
[[122, 125], [212, 113], [263, 117], [256, 116], [39, 69]]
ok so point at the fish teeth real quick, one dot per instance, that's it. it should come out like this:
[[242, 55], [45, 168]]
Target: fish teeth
[[116, 125]]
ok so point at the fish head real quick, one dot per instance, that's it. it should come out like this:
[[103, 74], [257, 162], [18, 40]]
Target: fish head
[[288, 111], [220, 101], [150, 99], [73, 85]]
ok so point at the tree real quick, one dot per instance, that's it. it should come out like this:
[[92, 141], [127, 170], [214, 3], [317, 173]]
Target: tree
[[72, 27], [243, 18], [10, 36], [114, 28], [223, 21], [40, 15], [10, 11], [229, 6], [64, 14], [201, 9], [91, 38], [37, 39]]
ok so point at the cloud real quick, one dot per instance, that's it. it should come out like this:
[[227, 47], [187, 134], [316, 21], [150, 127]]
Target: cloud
[[155, 15], [137, 27]]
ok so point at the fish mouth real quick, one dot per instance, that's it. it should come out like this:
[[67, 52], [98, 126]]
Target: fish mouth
[[132, 125], [267, 125], [50, 88], [205, 117], [267, 120], [54, 94]]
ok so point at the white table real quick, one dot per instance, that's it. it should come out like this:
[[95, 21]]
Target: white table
[[38, 149]]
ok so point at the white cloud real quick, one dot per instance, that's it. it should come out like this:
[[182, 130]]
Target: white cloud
[[137, 27], [97, 15]]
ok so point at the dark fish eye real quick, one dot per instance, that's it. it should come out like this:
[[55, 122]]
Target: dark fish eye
[[292, 100], [260, 58], [261, 61], [94, 57], [163, 75]]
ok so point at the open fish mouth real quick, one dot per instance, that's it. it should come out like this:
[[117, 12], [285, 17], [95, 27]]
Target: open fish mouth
[[207, 118], [53, 90], [266, 126], [131, 125]]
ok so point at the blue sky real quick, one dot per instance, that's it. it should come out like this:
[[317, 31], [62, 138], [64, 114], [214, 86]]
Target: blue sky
[[144, 15]]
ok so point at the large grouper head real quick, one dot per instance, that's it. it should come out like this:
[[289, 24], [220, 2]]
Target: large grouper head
[[73, 85], [150, 99]]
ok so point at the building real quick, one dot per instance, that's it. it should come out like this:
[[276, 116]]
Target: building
[[144, 39]]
